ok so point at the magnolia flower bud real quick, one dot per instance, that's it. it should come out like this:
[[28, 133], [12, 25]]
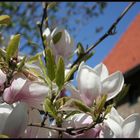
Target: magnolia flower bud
[[61, 43]]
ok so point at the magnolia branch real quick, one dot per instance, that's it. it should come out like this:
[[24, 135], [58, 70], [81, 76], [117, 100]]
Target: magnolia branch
[[44, 16], [110, 31], [71, 130], [40, 25]]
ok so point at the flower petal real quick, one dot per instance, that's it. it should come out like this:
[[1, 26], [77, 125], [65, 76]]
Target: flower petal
[[114, 115], [2, 78], [82, 120], [16, 122], [17, 85], [5, 110], [74, 92], [115, 127], [8, 96], [64, 46], [34, 117], [106, 132], [131, 126], [102, 71], [89, 84], [113, 84]]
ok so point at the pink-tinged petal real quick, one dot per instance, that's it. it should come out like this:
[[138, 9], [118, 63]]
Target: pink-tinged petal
[[16, 122], [8, 97], [82, 120], [106, 132], [113, 84], [17, 85], [2, 78], [131, 126], [32, 93], [91, 133], [11, 93], [89, 84], [102, 71], [5, 111]]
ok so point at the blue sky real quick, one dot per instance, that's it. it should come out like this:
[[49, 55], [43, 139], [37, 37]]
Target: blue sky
[[87, 36]]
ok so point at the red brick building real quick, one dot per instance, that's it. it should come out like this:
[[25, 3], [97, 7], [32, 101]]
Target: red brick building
[[125, 56]]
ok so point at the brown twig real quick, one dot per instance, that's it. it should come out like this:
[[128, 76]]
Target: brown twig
[[45, 14], [109, 32], [41, 27], [70, 130]]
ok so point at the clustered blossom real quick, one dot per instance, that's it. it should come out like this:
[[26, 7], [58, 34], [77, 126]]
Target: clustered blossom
[[63, 47], [95, 82], [23, 99]]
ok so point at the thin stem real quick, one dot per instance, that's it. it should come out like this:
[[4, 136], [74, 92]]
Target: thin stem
[[109, 32], [41, 34], [41, 27], [71, 130]]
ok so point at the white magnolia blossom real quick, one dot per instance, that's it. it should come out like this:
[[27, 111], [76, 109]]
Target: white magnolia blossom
[[38, 132], [24, 90], [81, 120], [64, 46], [94, 82], [13, 121], [117, 127]]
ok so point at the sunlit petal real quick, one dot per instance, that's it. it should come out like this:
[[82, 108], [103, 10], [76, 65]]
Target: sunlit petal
[[102, 71], [131, 126], [88, 83], [113, 84], [17, 121]]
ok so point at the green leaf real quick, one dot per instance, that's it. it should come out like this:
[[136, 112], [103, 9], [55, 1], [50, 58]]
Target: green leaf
[[51, 66], [60, 73], [44, 70], [57, 37], [108, 109], [5, 19], [12, 49], [49, 107], [2, 54], [72, 113], [22, 63], [3, 136], [71, 72], [80, 49], [52, 4], [75, 105], [101, 103], [89, 56], [61, 101], [34, 58]]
